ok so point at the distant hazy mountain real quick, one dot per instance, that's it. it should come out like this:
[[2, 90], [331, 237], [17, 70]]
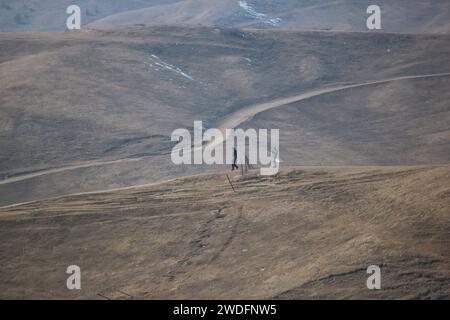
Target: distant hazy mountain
[[50, 15], [415, 16], [428, 16]]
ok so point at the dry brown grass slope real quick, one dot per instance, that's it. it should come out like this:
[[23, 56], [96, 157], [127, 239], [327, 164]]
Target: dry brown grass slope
[[71, 99], [412, 16], [430, 16], [396, 123], [306, 233]]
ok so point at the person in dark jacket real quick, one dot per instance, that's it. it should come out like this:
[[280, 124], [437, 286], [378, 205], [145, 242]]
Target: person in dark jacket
[[234, 165]]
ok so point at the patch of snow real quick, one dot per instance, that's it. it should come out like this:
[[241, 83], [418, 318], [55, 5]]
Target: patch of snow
[[167, 66], [273, 22], [251, 11]]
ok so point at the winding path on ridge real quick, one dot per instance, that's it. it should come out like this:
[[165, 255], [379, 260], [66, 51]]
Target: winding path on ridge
[[232, 121]]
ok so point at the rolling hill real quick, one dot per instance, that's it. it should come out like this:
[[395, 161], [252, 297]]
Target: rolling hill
[[412, 16], [86, 176], [346, 15], [95, 109], [307, 233]]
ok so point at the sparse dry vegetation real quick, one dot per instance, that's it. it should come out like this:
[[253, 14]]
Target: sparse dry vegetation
[[85, 138]]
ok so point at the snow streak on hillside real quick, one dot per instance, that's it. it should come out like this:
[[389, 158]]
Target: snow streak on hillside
[[252, 13], [160, 63]]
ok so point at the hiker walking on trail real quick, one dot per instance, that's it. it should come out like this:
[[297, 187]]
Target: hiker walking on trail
[[234, 165]]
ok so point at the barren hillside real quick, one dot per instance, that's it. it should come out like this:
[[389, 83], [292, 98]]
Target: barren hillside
[[94, 109], [414, 16], [397, 123], [306, 233]]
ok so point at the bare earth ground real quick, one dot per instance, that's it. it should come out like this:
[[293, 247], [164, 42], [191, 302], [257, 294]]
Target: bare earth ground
[[309, 232], [94, 109]]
